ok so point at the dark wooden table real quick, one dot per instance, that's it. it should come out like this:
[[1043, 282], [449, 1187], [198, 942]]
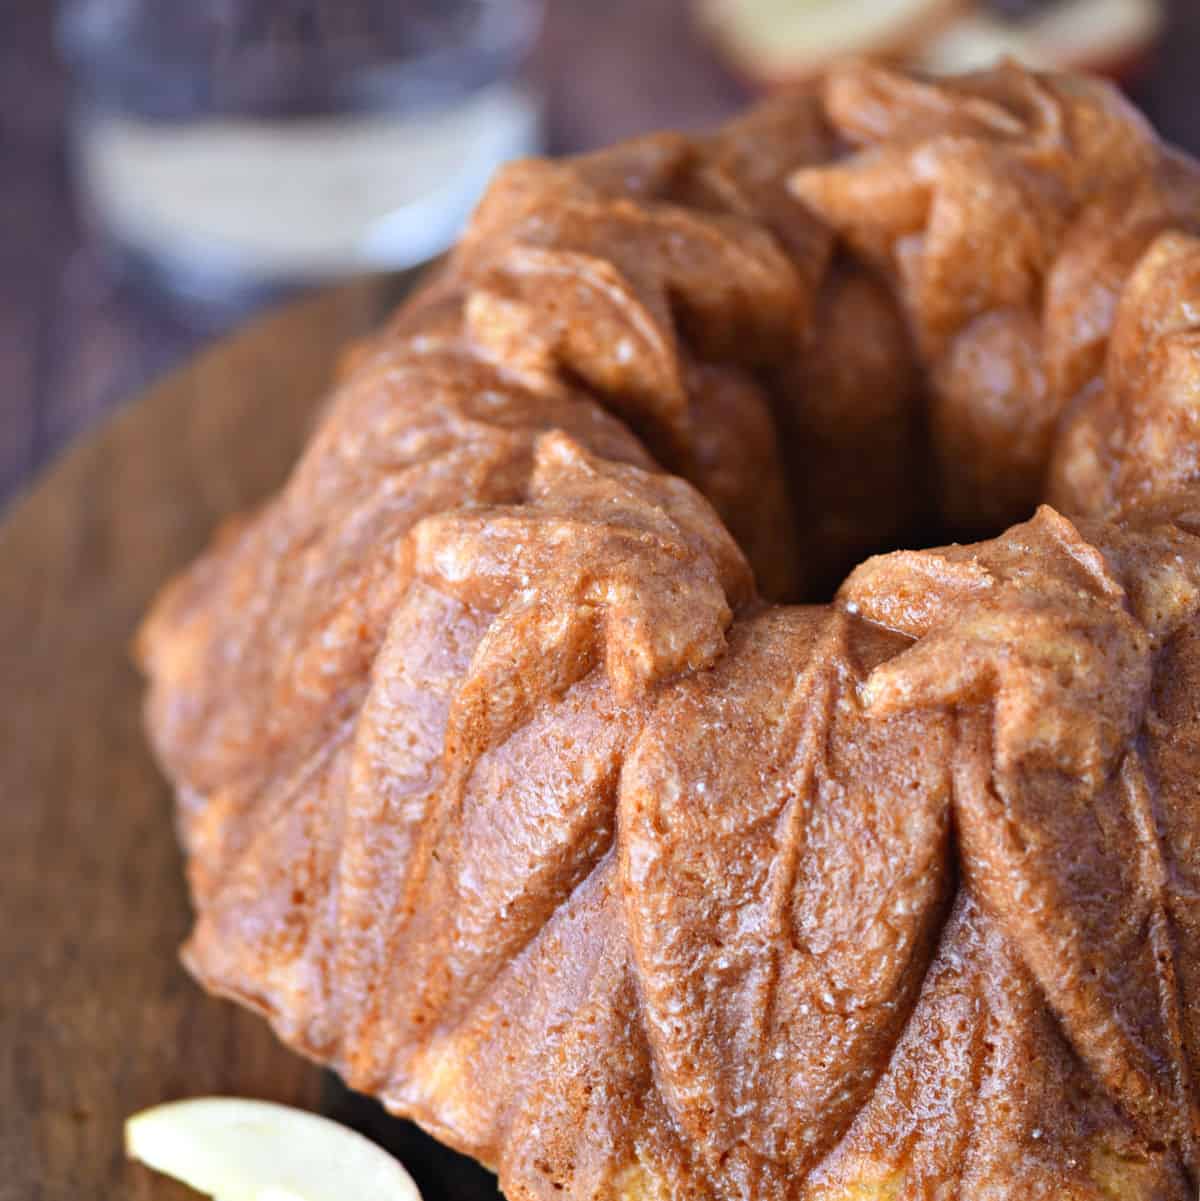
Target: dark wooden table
[[74, 341]]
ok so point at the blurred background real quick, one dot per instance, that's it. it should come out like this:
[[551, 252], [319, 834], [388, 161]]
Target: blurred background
[[167, 167]]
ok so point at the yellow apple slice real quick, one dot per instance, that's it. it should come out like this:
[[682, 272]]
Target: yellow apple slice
[[236, 1150], [776, 42], [1103, 36]]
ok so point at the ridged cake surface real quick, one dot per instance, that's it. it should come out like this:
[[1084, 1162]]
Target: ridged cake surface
[[516, 783]]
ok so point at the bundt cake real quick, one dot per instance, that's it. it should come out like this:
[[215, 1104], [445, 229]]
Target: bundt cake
[[525, 779]]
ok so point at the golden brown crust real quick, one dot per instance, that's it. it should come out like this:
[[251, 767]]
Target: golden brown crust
[[965, 194], [506, 794]]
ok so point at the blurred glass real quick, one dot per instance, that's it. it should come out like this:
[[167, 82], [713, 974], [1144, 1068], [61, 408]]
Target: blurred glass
[[229, 148]]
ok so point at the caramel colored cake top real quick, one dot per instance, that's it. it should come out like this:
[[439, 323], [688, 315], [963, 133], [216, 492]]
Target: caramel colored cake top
[[512, 788]]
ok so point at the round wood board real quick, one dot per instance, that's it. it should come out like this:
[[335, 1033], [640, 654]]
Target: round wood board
[[97, 1019]]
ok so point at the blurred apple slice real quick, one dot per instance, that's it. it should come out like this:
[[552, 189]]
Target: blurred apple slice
[[784, 41], [1108, 37], [236, 1150]]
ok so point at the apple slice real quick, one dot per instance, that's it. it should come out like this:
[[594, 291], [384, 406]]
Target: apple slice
[[777, 42], [236, 1150], [1104, 36]]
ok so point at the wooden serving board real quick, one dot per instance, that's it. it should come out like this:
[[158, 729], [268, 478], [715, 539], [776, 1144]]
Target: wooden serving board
[[97, 1019]]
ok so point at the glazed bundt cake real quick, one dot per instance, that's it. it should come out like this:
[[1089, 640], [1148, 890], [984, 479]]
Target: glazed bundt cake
[[524, 779]]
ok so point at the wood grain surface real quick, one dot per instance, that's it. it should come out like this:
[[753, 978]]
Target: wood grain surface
[[96, 1017]]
